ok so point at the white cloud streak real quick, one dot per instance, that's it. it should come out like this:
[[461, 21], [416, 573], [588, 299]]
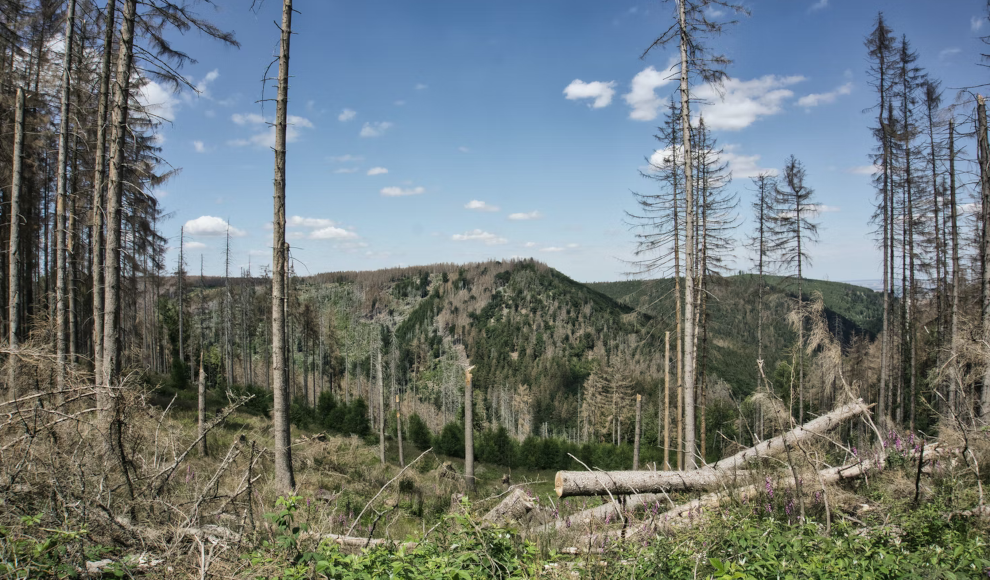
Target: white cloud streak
[[377, 171], [479, 205], [476, 235], [813, 100], [376, 129], [346, 115], [525, 216], [742, 103], [401, 192]]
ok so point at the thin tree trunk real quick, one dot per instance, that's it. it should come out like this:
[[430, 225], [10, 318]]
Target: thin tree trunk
[[666, 401], [956, 272], [984, 158], [689, 431], [381, 403], [14, 262], [202, 408], [61, 206], [639, 419], [284, 478], [179, 276], [115, 188], [469, 432], [398, 426]]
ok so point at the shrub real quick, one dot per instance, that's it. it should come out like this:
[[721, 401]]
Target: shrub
[[419, 433]]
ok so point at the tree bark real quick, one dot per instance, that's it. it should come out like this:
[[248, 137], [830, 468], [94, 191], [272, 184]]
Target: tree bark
[[984, 157], [381, 402], [115, 188], [284, 478], [690, 453], [398, 426], [639, 419], [202, 408], [469, 432], [666, 401], [61, 205], [578, 483], [14, 261], [956, 272]]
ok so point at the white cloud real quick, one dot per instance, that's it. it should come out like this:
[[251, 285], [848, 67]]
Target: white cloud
[[199, 147], [266, 138], [976, 23], [157, 100], [332, 233], [523, 216], [643, 97], [346, 158], [820, 208], [969, 208], [305, 222], [346, 115], [552, 249], [529, 244], [399, 192], [376, 129], [818, 5], [944, 54], [744, 166], [742, 103], [377, 171], [813, 100], [208, 225], [346, 170], [601, 92], [247, 119], [487, 238], [864, 170], [203, 87], [480, 206], [194, 245], [420, 87]]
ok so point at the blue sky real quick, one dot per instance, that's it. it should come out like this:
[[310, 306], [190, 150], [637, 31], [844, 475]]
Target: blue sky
[[454, 131]]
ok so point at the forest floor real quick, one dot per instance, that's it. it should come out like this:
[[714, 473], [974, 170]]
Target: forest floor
[[68, 511]]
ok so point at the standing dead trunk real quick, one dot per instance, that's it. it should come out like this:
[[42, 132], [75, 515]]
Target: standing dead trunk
[[14, 263], [469, 431], [398, 427], [61, 205], [666, 401], [115, 189], [284, 478], [381, 402], [984, 158], [690, 453], [956, 273], [98, 197], [639, 418], [202, 407]]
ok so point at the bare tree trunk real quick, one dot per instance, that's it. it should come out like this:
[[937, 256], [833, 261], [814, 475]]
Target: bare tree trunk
[[690, 453], [469, 432], [639, 419], [381, 402], [984, 158], [284, 478], [666, 401], [115, 188], [61, 205], [14, 263], [956, 272], [398, 425], [178, 277], [202, 408]]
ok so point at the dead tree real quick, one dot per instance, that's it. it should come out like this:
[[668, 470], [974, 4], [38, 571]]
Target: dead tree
[[61, 205], [14, 280], [284, 478]]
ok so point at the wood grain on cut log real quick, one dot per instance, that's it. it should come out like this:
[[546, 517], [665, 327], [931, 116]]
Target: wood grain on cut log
[[575, 483]]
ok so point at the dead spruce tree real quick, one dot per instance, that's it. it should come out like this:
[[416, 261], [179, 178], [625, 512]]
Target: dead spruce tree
[[692, 26], [794, 232], [284, 478]]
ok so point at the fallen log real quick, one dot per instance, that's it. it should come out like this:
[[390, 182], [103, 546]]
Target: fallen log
[[511, 509], [797, 435], [576, 483]]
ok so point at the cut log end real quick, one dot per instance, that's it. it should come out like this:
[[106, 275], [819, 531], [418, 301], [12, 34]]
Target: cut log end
[[558, 484]]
